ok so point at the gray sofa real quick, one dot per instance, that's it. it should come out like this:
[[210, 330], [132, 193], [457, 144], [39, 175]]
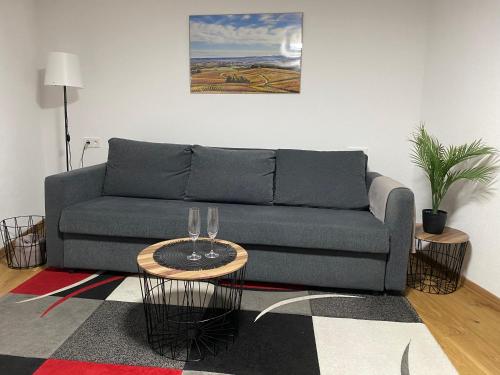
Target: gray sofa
[[305, 217]]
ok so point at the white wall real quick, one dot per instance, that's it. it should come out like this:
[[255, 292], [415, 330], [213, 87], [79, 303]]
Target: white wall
[[363, 84], [361, 78], [461, 102], [21, 159]]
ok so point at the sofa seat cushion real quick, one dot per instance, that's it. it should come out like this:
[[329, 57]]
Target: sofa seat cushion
[[304, 227]]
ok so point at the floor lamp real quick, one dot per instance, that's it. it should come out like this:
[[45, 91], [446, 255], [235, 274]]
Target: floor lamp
[[63, 69]]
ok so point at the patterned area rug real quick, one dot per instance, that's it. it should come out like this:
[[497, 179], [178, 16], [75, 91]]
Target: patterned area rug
[[63, 323]]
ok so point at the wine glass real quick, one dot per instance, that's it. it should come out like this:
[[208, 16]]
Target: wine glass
[[212, 229], [194, 230]]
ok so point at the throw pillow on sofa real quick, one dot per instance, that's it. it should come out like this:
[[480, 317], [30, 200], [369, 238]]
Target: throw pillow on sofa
[[330, 179], [147, 170], [231, 175]]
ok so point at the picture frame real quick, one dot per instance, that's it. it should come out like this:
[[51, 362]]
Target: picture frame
[[246, 53]]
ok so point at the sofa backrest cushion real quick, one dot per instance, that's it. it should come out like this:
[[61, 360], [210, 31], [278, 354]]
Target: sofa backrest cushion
[[330, 179], [231, 175], [145, 169]]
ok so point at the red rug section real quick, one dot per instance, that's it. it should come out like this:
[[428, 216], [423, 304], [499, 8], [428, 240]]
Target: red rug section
[[80, 291], [65, 367], [49, 280], [254, 285], [53, 278]]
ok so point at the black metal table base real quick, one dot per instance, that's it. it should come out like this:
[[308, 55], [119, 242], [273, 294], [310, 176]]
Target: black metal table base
[[187, 320], [436, 267]]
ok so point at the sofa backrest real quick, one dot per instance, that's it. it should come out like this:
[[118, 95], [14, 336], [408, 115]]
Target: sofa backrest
[[231, 175], [146, 169], [329, 179]]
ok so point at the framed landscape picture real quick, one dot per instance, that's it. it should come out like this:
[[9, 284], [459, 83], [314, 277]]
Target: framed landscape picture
[[246, 53]]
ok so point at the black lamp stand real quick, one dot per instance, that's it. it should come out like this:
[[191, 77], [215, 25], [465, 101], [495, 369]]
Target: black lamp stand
[[66, 131]]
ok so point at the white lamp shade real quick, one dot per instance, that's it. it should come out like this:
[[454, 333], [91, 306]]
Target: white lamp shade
[[63, 69]]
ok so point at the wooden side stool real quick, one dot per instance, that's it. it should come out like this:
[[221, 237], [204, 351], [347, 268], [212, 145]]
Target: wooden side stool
[[436, 265]]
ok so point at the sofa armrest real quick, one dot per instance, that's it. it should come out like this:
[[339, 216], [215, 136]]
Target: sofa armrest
[[62, 190], [394, 205]]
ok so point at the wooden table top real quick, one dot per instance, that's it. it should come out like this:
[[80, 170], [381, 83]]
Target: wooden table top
[[146, 261], [449, 235]]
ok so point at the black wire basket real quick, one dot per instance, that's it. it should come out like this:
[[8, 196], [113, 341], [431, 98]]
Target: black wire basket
[[24, 241], [435, 268]]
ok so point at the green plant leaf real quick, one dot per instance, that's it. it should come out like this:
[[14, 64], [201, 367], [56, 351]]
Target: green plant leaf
[[442, 165]]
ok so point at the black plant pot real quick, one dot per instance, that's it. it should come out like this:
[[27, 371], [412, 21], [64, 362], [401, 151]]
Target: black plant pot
[[434, 223]]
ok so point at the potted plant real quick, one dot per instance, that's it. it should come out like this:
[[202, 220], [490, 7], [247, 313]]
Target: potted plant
[[446, 165]]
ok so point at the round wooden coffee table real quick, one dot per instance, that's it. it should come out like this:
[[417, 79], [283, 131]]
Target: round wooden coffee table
[[191, 307]]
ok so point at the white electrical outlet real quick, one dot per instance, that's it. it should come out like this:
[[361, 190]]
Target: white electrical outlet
[[93, 142]]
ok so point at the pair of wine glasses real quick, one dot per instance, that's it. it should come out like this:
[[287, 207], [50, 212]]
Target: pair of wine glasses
[[194, 230]]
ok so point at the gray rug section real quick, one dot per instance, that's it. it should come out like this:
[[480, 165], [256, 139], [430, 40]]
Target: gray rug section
[[24, 333], [114, 333], [258, 300], [370, 307], [405, 368]]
